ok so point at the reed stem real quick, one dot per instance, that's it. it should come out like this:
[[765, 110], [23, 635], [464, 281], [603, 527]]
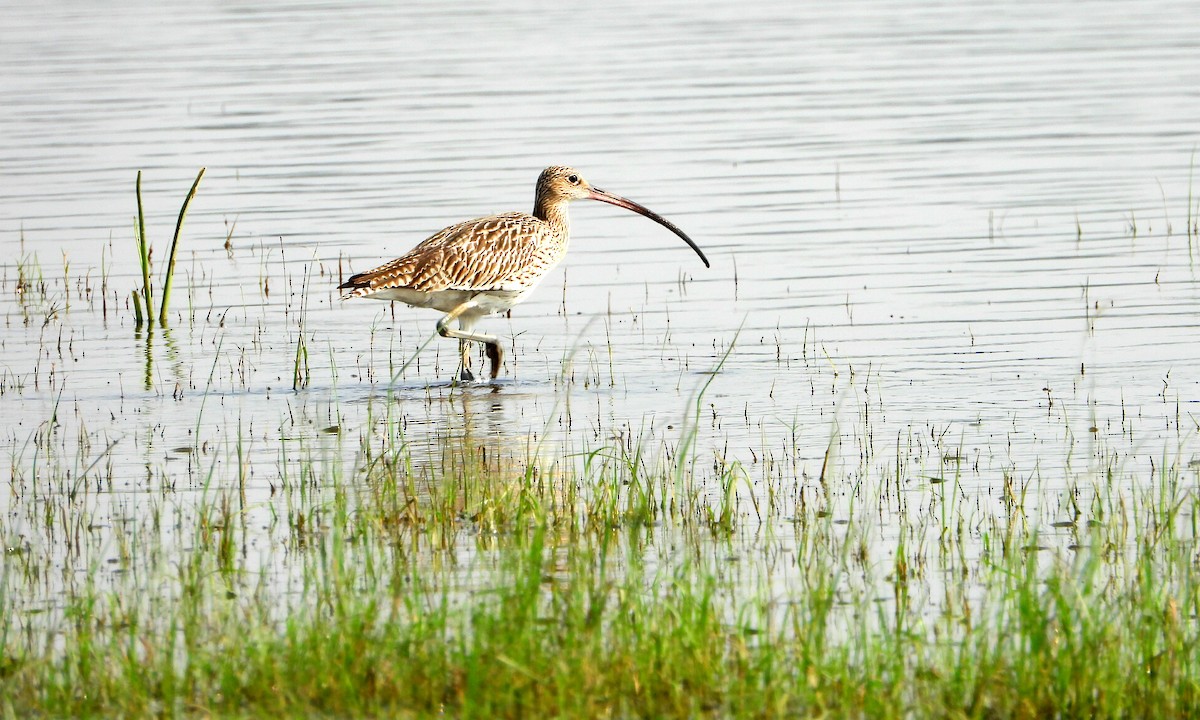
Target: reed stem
[[166, 297], [137, 310], [144, 254]]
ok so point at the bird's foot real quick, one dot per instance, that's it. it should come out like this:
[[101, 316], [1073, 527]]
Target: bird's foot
[[465, 375], [494, 354]]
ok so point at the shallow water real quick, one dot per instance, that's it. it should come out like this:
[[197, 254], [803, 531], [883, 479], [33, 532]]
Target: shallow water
[[963, 234]]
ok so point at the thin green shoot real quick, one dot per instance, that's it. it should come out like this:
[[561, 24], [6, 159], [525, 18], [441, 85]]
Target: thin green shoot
[[166, 298], [143, 254], [138, 318], [690, 430], [1192, 228]]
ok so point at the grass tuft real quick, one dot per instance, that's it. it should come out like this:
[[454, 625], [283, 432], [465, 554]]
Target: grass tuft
[[145, 252]]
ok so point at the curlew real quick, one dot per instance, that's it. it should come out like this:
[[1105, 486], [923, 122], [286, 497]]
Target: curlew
[[485, 266]]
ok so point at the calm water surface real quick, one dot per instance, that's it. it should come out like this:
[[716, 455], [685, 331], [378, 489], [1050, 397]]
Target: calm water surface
[[957, 231]]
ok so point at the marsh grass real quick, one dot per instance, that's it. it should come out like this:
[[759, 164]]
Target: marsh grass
[[146, 296], [475, 586]]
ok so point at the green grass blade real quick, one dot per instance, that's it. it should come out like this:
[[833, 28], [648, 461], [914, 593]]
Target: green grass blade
[[144, 253], [137, 309], [166, 296]]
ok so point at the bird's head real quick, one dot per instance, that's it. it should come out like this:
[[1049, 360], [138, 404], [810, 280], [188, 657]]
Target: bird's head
[[558, 184]]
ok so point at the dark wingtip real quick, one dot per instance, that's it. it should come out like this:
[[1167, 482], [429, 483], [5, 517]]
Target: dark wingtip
[[355, 282]]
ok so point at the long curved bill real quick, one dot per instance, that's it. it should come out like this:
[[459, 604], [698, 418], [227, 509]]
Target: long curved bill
[[607, 197]]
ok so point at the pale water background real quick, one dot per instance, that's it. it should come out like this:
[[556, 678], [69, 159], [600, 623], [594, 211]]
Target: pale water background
[[956, 233]]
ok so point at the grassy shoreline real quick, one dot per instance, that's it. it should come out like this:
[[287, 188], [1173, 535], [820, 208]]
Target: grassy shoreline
[[599, 593]]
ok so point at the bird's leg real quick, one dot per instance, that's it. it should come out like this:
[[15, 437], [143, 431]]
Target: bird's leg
[[464, 361], [463, 333]]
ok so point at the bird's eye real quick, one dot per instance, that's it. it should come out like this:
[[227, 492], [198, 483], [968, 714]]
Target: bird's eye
[[573, 179]]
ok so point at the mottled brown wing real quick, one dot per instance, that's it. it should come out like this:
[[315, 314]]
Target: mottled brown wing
[[497, 252]]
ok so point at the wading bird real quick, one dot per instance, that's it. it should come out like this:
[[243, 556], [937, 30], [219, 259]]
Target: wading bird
[[487, 265]]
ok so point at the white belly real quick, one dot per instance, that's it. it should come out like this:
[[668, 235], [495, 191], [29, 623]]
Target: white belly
[[490, 301]]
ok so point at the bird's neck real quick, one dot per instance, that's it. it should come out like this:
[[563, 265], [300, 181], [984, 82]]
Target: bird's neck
[[554, 213]]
